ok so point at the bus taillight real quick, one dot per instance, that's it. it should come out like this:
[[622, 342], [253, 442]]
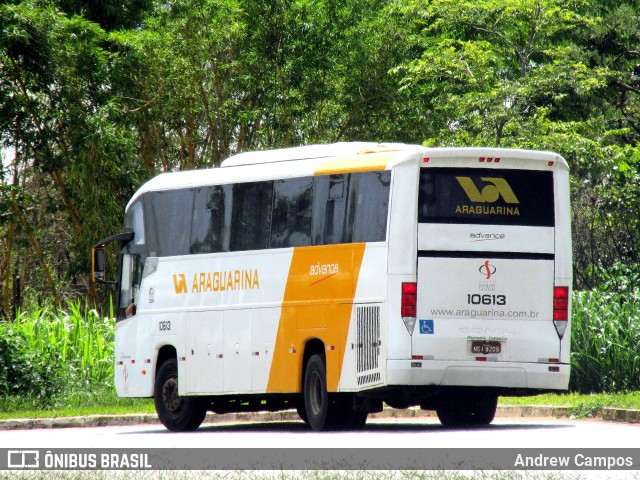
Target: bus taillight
[[561, 309], [409, 302]]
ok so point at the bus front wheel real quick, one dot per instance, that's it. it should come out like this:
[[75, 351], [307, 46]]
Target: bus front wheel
[[178, 414]]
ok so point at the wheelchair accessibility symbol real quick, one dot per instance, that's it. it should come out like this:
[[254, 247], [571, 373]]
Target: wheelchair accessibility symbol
[[426, 327]]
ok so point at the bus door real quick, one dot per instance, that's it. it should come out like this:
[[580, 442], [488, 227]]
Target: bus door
[[485, 281], [132, 258]]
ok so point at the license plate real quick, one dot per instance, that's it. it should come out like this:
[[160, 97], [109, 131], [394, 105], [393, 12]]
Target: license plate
[[485, 348]]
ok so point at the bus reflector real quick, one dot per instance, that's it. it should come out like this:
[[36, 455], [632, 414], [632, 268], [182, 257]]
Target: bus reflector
[[408, 305], [561, 309]]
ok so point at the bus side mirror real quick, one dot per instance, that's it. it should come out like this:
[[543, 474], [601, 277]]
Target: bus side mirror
[[98, 261], [97, 266]]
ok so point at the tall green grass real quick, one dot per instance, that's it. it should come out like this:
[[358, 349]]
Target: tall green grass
[[46, 353], [605, 348]]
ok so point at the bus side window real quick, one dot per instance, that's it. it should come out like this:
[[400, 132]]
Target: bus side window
[[208, 226], [173, 213], [334, 231], [132, 266], [329, 209], [133, 257], [368, 206], [291, 224], [138, 224], [427, 205], [251, 216]]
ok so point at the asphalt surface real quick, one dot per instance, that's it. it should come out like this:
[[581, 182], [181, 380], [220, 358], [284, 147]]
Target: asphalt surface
[[606, 414]]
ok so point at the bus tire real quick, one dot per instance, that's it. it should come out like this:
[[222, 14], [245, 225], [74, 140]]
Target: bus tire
[[468, 412], [355, 420], [178, 414], [323, 410]]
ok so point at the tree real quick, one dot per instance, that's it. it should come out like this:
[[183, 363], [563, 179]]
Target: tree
[[60, 119], [539, 74]]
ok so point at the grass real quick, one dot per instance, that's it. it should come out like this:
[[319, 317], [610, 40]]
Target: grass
[[605, 334], [108, 403], [102, 402], [581, 405], [619, 400], [45, 354]]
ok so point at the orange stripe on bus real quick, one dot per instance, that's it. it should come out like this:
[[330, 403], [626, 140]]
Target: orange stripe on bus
[[314, 309], [365, 162]]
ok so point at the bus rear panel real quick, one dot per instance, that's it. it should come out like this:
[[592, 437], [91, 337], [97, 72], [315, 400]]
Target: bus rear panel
[[488, 311]]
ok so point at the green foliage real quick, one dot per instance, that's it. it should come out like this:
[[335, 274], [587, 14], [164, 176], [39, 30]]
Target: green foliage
[[96, 98], [492, 70], [25, 371], [71, 158], [588, 408], [110, 14], [97, 401], [541, 74], [605, 335], [45, 353]]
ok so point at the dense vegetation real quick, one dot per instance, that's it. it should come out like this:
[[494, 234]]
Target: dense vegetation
[[46, 355], [97, 97]]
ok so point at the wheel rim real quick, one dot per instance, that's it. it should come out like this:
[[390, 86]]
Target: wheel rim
[[315, 393], [170, 395]]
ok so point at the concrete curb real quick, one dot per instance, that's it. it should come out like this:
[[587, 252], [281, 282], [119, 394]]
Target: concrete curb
[[620, 415], [507, 411]]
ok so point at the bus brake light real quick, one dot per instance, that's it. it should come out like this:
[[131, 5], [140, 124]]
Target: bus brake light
[[408, 305], [561, 309]]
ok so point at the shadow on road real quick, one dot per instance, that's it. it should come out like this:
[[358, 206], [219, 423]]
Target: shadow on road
[[372, 427]]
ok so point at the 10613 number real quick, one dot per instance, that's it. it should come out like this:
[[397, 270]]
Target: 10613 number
[[477, 299]]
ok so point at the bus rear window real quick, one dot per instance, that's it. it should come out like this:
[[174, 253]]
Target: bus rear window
[[486, 197]]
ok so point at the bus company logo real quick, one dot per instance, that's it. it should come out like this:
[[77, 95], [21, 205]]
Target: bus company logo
[[217, 281], [496, 188], [492, 191], [325, 270], [487, 269], [484, 237]]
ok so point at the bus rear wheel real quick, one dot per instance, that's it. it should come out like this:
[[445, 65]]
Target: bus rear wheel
[[178, 414], [316, 396], [324, 410], [468, 412]]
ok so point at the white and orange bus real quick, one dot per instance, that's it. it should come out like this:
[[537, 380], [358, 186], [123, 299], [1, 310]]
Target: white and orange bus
[[335, 278]]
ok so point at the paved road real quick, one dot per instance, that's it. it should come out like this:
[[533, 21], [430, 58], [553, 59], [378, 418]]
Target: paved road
[[391, 432], [400, 442]]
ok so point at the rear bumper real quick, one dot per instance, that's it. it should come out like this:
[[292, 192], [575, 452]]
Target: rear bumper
[[535, 376]]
